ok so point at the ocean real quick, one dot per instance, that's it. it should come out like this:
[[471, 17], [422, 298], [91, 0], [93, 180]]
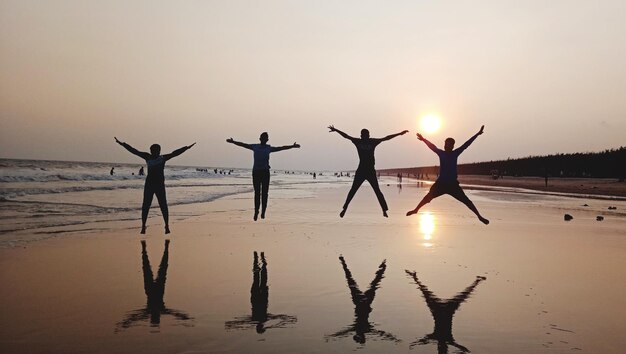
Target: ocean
[[40, 199]]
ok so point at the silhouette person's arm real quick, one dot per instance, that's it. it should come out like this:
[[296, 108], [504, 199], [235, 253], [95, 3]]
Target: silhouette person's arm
[[148, 282], [162, 273], [380, 273], [132, 150], [333, 129], [242, 322], [179, 315], [282, 320], [459, 347], [354, 288], [430, 145], [178, 151], [286, 147], [132, 317], [239, 143], [428, 295], [470, 140], [342, 333], [389, 137], [385, 335], [463, 295], [422, 341], [256, 282]]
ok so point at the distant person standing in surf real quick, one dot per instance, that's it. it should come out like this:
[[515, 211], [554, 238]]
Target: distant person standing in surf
[[447, 182], [261, 169], [155, 180]]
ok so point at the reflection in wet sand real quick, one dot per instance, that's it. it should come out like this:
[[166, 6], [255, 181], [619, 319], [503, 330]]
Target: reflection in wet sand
[[155, 290], [443, 312], [363, 307], [259, 298]]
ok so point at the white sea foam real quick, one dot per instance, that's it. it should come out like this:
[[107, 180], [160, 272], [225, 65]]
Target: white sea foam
[[44, 196]]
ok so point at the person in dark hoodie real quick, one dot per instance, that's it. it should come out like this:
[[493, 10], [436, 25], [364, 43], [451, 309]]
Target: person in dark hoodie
[[155, 180], [365, 146]]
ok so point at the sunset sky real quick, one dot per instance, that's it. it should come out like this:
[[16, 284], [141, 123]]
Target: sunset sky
[[542, 76]]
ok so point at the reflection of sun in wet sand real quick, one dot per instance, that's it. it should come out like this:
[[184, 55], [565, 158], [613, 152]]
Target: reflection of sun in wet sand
[[427, 228]]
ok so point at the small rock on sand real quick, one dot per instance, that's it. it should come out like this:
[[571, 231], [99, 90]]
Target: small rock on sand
[[599, 218], [567, 217]]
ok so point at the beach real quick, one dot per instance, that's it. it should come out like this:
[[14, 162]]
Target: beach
[[604, 188], [549, 286], [444, 177]]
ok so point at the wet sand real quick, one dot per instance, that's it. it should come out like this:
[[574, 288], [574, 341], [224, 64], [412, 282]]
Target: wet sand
[[606, 187], [551, 286]]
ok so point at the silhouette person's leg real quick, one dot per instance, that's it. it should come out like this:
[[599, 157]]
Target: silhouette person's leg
[[264, 290], [162, 273], [259, 292], [359, 178], [162, 199], [256, 279], [147, 272], [459, 195], [148, 194], [380, 273], [256, 183], [265, 185], [427, 198], [381, 198]]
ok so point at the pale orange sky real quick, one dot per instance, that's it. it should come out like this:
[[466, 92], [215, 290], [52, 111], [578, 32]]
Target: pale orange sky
[[543, 76]]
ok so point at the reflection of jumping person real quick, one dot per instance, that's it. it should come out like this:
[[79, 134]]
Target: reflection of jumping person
[[155, 181], [155, 290], [363, 307], [365, 147], [443, 312], [261, 169], [259, 299], [447, 182]]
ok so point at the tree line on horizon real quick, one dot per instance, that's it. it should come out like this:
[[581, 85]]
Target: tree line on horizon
[[610, 163]]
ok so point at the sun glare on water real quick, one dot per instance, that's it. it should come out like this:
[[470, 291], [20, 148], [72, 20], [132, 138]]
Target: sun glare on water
[[430, 124]]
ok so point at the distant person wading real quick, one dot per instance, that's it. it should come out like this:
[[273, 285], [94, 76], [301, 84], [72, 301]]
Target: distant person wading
[[261, 169], [365, 146], [155, 180]]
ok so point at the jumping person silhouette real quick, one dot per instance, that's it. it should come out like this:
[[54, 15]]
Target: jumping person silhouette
[[261, 169], [155, 180], [365, 147], [447, 182]]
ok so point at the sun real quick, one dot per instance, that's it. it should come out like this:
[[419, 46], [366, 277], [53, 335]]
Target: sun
[[430, 124]]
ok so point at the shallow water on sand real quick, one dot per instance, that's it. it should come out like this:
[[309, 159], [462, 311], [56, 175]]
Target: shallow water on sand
[[41, 199], [527, 283]]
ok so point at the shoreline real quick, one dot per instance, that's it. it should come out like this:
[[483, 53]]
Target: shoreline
[[93, 296], [596, 188]]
